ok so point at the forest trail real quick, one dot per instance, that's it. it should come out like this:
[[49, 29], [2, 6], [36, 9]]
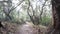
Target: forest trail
[[30, 29], [13, 28], [27, 29]]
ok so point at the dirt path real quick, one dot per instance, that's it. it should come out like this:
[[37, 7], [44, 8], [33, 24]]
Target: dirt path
[[27, 29], [12, 28]]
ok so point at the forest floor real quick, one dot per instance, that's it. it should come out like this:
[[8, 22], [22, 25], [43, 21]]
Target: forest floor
[[13, 28]]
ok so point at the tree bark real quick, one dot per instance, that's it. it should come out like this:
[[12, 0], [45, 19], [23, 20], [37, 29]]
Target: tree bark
[[56, 15]]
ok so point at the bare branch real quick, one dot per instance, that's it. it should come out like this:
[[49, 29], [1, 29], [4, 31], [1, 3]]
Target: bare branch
[[16, 6], [41, 11], [31, 17], [42, 8], [7, 10]]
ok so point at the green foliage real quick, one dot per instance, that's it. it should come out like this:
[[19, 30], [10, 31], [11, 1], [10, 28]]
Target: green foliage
[[45, 21], [20, 15], [2, 15]]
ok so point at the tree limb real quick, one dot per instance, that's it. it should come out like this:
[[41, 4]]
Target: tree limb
[[16, 6], [31, 17]]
